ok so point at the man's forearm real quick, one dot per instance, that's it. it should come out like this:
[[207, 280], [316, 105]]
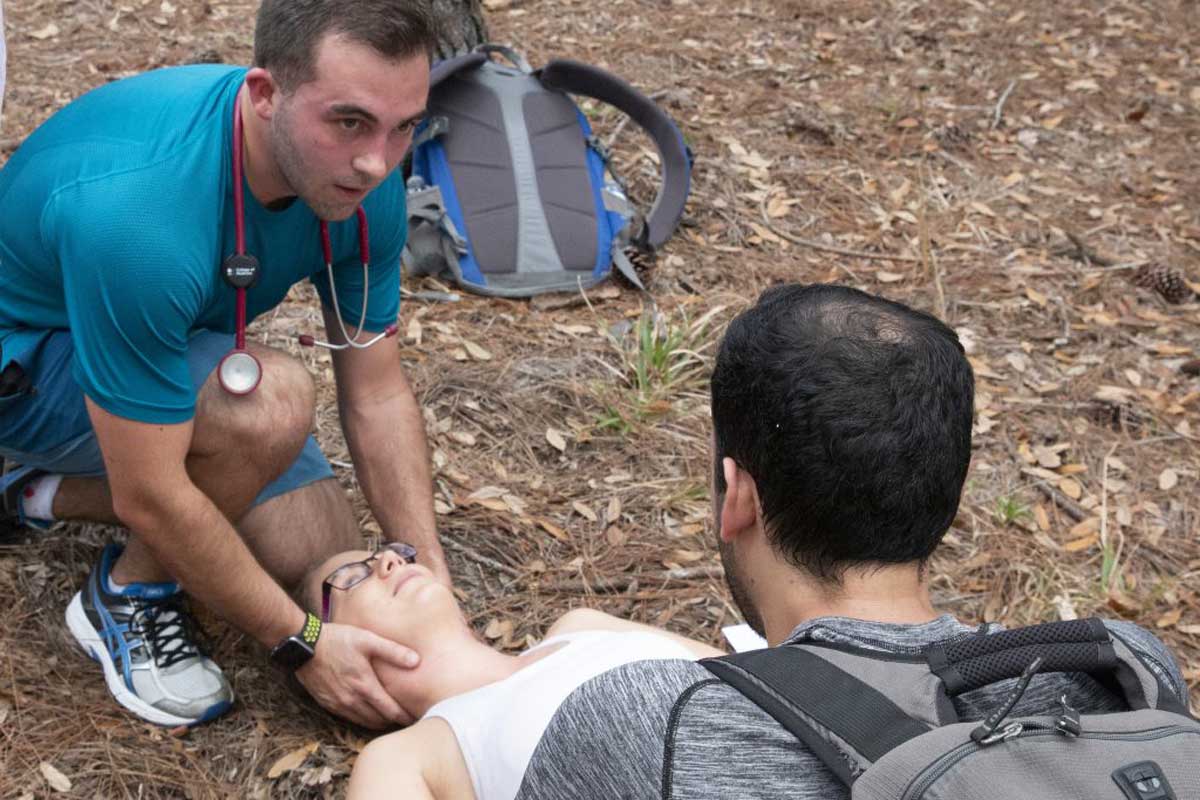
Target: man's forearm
[[196, 544], [391, 458]]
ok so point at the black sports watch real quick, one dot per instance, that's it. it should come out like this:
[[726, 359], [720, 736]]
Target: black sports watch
[[295, 651]]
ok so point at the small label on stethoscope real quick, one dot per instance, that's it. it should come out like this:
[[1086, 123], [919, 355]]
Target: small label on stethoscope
[[240, 271]]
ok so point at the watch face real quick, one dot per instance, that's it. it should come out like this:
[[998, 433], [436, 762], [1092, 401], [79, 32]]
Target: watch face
[[291, 653]]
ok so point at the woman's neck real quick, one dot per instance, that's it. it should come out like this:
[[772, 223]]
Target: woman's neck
[[454, 664]]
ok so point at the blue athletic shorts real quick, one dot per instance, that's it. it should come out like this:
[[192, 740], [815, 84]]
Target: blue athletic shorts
[[49, 428]]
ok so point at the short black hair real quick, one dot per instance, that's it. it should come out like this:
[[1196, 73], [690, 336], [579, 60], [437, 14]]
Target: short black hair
[[852, 413], [287, 32]]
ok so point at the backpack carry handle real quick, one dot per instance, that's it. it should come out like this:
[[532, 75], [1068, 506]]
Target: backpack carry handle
[[1084, 645], [567, 75], [1069, 646]]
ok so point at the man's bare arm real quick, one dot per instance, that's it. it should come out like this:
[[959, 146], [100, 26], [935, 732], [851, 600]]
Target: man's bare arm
[[191, 539], [386, 435]]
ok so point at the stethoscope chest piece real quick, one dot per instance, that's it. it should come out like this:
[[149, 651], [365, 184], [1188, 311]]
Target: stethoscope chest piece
[[239, 372]]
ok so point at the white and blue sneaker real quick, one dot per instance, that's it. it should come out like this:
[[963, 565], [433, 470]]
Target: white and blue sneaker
[[145, 639]]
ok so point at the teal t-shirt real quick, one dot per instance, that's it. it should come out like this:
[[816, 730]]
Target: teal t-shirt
[[117, 213]]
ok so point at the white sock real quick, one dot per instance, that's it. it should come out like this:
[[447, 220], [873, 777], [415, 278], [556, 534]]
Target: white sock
[[37, 498], [114, 587]]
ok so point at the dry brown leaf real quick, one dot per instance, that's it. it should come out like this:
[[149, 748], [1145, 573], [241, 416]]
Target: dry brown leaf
[[1121, 603], [556, 440], [615, 536], [1046, 457], [983, 208], [552, 529], [1192, 630], [498, 628], [1072, 469], [58, 782], [475, 351], [1089, 525], [1168, 479], [49, 31], [1117, 395], [1082, 543], [1036, 296], [1169, 619], [613, 512], [1071, 488], [462, 437], [584, 511], [883, 276], [687, 556], [1042, 518], [289, 762]]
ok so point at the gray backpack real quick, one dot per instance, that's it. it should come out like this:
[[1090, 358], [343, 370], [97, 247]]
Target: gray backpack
[[885, 726], [510, 192]]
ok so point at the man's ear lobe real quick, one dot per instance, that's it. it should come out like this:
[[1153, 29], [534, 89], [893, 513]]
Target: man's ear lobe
[[739, 508]]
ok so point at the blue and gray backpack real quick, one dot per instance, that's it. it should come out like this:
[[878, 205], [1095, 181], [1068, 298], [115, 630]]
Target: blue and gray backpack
[[512, 195]]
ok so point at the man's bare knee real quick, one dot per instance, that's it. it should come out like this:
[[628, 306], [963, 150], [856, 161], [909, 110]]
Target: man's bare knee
[[269, 425]]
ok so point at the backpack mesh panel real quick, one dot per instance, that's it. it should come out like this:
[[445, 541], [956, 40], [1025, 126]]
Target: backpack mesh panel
[[975, 646], [1068, 657]]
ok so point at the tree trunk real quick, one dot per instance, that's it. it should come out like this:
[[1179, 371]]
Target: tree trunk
[[462, 26]]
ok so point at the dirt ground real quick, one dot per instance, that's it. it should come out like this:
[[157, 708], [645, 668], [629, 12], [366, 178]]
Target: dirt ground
[[1011, 166]]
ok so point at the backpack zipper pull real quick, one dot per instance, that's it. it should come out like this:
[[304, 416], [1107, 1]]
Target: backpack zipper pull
[[1068, 722], [1007, 732], [986, 731]]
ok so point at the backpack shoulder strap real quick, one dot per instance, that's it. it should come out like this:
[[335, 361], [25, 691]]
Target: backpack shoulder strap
[[567, 75], [844, 721]]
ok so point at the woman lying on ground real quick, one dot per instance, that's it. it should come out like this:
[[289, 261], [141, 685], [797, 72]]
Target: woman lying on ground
[[480, 713]]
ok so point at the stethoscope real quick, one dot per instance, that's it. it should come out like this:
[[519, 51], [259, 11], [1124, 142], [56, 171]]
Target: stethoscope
[[240, 371]]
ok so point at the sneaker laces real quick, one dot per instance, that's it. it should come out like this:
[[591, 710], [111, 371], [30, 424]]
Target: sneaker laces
[[169, 630]]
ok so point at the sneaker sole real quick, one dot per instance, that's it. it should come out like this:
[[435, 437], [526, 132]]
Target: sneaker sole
[[89, 639]]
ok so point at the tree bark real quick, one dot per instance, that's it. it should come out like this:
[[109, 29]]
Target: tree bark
[[462, 26]]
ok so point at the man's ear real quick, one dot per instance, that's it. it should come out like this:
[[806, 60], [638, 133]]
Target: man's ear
[[739, 508], [263, 91]]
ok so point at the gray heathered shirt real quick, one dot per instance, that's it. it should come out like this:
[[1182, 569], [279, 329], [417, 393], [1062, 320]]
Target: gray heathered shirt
[[670, 729]]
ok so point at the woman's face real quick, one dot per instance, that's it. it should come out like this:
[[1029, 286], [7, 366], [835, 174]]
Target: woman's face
[[399, 601]]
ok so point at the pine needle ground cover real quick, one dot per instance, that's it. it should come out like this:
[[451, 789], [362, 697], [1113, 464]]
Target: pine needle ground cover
[[1013, 167]]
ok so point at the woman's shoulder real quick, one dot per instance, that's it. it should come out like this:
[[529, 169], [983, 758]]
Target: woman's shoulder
[[424, 756]]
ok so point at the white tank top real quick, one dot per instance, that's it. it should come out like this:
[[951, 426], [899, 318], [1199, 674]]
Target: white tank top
[[498, 726]]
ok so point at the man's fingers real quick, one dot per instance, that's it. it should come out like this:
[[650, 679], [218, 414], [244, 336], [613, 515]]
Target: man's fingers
[[380, 701], [391, 652]]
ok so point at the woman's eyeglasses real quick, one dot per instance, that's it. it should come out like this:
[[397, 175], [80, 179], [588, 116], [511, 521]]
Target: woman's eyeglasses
[[347, 576]]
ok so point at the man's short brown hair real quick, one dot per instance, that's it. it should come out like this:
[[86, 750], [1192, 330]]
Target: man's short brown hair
[[287, 32]]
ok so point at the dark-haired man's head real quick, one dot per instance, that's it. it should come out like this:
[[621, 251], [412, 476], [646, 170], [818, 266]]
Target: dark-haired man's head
[[851, 417], [288, 32]]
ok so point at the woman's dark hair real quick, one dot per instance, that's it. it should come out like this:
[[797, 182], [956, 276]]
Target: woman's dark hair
[[852, 414], [287, 32]]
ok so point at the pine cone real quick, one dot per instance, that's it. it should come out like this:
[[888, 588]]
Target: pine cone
[[1167, 281]]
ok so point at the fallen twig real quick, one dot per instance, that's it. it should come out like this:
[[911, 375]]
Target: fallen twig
[[826, 248], [1000, 105], [1069, 506], [480, 558], [1083, 253], [623, 582]]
